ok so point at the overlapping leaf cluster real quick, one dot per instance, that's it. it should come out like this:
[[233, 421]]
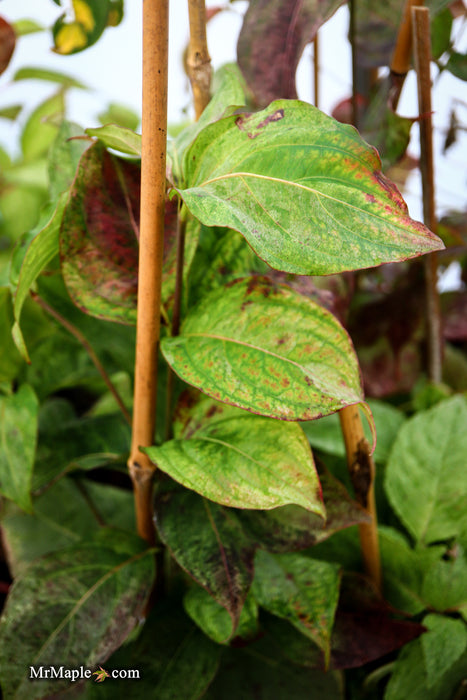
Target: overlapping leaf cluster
[[265, 591]]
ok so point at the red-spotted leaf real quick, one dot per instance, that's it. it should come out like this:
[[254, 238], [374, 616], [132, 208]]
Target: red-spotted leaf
[[271, 42], [305, 191], [99, 236], [267, 349], [240, 460], [208, 541], [7, 43], [302, 590], [77, 605], [365, 629], [292, 528]]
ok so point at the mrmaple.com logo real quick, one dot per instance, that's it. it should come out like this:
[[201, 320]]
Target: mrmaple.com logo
[[81, 673]]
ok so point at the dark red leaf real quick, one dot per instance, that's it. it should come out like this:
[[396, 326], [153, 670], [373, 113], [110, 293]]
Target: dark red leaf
[[271, 42], [7, 43], [454, 313], [366, 627], [387, 333]]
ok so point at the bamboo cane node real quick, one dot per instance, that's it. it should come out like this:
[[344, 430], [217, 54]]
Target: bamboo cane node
[[361, 472]]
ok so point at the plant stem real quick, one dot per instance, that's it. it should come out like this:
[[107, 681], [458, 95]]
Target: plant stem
[[400, 63], [198, 60], [151, 246], [199, 72], [422, 53], [362, 473], [316, 70], [180, 243], [89, 349]]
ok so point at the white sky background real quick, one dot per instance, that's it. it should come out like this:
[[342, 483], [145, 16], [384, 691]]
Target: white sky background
[[112, 69]]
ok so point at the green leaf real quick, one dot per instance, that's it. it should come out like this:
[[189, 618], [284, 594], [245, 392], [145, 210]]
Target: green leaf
[[267, 349], [69, 511], [35, 73], [326, 434], [441, 26], [249, 674], [30, 259], [118, 137], [444, 644], [10, 359], [18, 421], [293, 528], [174, 658], [23, 27], [64, 156], [228, 89], [425, 479], [299, 589], [99, 236], [305, 191], [77, 605], [39, 132], [121, 115], [410, 676], [457, 65], [215, 621], [444, 586], [240, 460], [214, 550], [80, 443], [404, 570], [89, 21], [10, 112]]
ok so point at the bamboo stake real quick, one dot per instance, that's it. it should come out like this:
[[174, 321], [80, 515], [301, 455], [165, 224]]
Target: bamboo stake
[[153, 190], [400, 63], [198, 60], [362, 473], [422, 55]]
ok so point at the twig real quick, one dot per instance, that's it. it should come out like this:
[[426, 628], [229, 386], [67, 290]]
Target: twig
[[400, 63], [316, 70], [153, 191], [362, 473], [198, 60], [89, 349], [176, 316], [422, 54]]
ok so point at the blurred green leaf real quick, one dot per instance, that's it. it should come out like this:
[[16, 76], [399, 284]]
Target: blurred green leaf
[[90, 18], [39, 132], [215, 621], [23, 27], [18, 420], [425, 480], [118, 114], [119, 138], [457, 65], [45, 74]]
